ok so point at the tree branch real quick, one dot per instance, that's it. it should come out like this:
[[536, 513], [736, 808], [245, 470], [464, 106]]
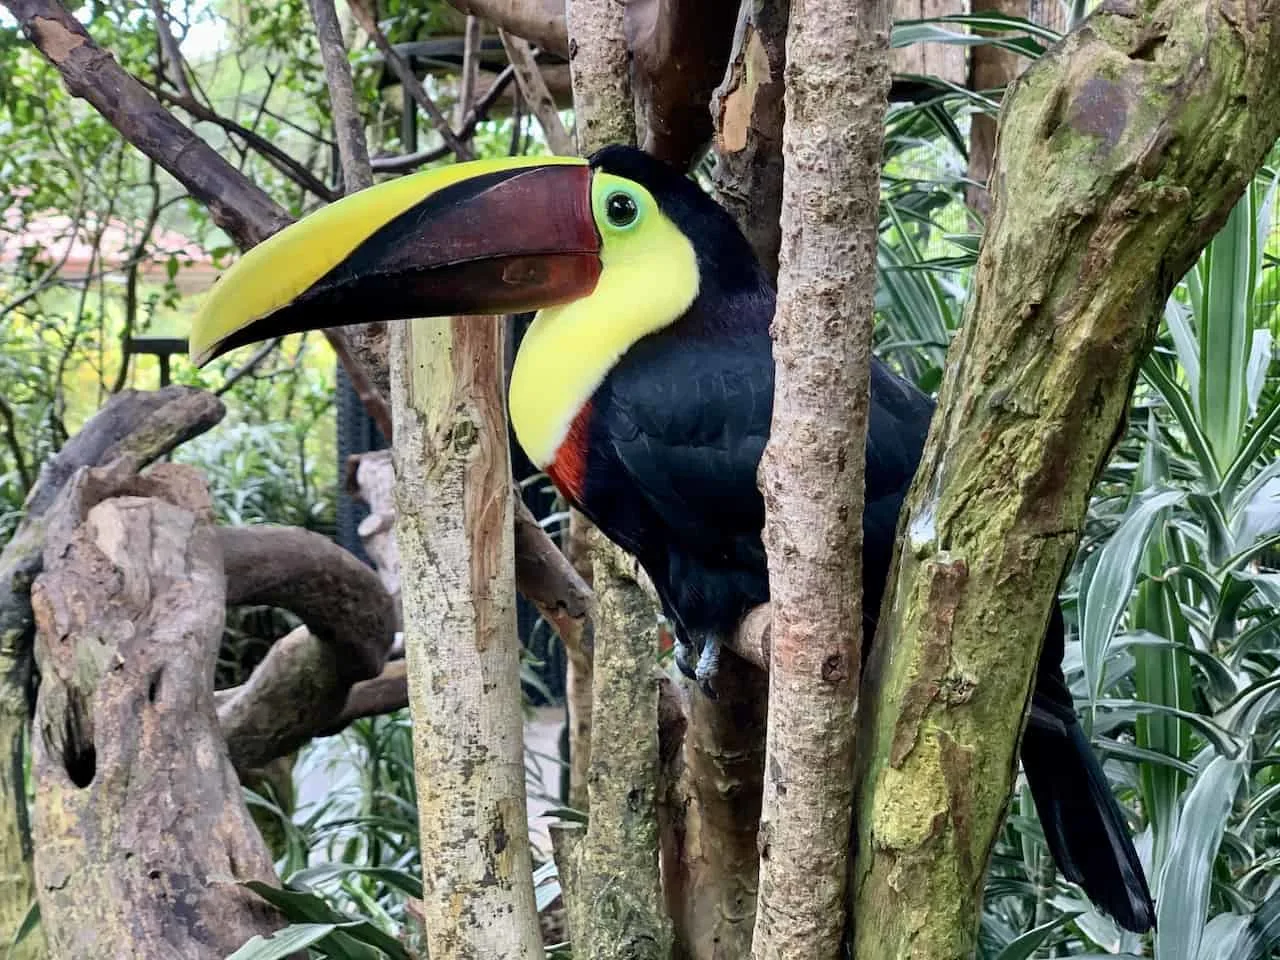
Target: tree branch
[[536, 94], [1122, 152], [286, 164], [538, 21], [347, 123], [410, 81], [341, 600], [236, 205], [125, 743], [476, 115], [811, 472]]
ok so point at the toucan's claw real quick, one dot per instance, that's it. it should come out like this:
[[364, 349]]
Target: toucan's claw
[[709, 665]]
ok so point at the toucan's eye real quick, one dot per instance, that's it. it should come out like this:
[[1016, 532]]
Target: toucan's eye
[[621, 209]]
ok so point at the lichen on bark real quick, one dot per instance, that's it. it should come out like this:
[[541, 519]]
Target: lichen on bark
[[1121, 153]]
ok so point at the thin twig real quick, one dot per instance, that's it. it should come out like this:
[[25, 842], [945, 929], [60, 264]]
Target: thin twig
[[286, 164], [411, 83], [534, 87], [347, 123], [169, 47], [11, 438], [249, 366], [472, 36], [477, 115]]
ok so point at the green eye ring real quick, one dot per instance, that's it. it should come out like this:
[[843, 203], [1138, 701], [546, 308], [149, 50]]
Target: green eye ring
[[621, 209]]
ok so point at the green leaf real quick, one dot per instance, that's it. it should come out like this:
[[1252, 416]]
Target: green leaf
[[357, 941], [1186, 880], [1029, 942], [1108, 581], [285, 942], [30, 920]]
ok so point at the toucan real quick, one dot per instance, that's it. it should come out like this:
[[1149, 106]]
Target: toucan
[[644, 388]]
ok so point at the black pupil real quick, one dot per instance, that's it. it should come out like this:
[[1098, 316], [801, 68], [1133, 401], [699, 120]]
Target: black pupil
[[621, 209]]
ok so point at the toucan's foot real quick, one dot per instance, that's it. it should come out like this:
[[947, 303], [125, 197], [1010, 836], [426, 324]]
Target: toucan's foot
[[709, 665], [686, 658]]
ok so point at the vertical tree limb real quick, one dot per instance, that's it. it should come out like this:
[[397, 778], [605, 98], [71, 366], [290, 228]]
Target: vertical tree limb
[[366, 341], [616, 864], [600, 68], [746, 111], [454, 530], [812, 468], [472, 37], [536, 95], [1122, 152], [990, 68]]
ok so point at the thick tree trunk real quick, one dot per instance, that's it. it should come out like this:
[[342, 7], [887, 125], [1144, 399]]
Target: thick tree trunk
[[1121, 154], [140, 427], [141, 837], [454, 530], [837, 82]]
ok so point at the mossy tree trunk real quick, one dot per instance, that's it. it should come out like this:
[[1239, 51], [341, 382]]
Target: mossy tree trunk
[[1121, 153]]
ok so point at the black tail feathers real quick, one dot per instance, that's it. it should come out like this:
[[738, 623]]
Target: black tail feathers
[[1082, 821]]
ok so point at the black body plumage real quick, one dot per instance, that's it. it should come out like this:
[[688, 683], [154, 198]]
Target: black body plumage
[[675, 438]]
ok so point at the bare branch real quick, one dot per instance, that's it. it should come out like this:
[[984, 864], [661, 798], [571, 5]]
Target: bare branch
[[125, 743], [680, 49], [287, 165], [538, 21], [177, 72], [341, 600], [15, 446], [814, 504], [410, 81], [249, 365], [472, 38], [536, 94], [475, 116], [347, 122]]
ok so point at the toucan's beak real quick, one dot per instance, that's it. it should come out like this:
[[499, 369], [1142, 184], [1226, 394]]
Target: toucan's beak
[[489, 236]]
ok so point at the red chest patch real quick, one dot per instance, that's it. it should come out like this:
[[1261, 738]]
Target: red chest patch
[[568, 471]]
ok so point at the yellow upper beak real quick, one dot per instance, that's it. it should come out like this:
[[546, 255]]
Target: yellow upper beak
[[488, 236]]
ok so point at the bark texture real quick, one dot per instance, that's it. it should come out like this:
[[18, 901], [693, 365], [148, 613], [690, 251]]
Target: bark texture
[[747, 113], [712, 814], [137, 427], [140, 833], [679, 50], [538, 21], [454, 529], [1121, 154], [620, 912], [812, 469], [600, 68]]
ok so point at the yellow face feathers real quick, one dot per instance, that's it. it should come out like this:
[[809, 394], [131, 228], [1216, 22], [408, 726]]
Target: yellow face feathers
[[649, 278]]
